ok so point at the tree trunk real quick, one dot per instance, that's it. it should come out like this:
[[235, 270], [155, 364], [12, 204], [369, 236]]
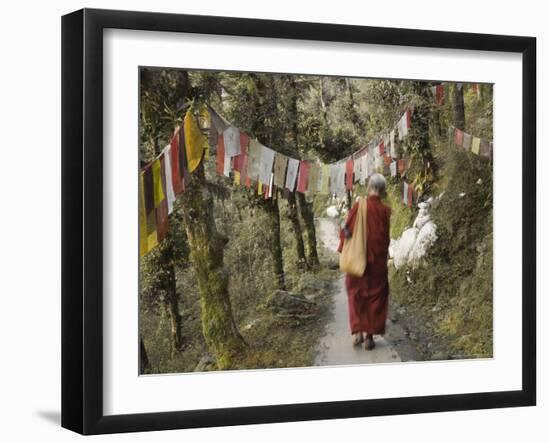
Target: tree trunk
[[172, 308], [271, 207], [206, 255], [309, 225], [144, 365], [297, 229], [459, 120]]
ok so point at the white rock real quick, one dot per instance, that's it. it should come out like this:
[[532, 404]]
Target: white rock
[[403, 247], [425, 238], [332, 212], [462, 194]]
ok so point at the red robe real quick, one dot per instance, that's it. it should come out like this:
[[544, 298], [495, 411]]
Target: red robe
[[368, 295]]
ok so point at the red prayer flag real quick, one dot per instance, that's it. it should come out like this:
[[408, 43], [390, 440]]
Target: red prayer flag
[[303, 175], [245, 140], [459, 136], [220, 155], [410, 189], [408, 113], [401, 165], [349, 175], [387, 159], [381, 148], [175, 163]]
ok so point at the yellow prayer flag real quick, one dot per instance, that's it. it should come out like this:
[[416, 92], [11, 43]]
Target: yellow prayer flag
[[158, 193], [476, 142], [324, 179], [143, 249], [194, 141], [259, 188], [237, 177]]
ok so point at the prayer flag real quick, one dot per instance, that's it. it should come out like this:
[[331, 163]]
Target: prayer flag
[[177, 183], [393, 150], [401, 165], [313, 182], [161, 213], [381, 148], [405, 193], [170, 194], [226, 165], [260, 192], [149, 202], [325, 177], [236, 177], [410, 190], [194, 141], [356, 168], [393, 168], [158, 194], [467, 141], [291, 173], [143, 245], [303, 175], [254, 158], [220, 156], [349, 174], [485, 149], [266, 164], [337, 179], [459, 137], [364, 168], [217, 121], [476, 142], [232, 141], [280, 169]]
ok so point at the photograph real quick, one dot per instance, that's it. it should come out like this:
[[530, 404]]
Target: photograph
[[291, 220]]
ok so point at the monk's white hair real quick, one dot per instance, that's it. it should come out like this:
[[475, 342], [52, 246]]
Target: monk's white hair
[[377, 183]]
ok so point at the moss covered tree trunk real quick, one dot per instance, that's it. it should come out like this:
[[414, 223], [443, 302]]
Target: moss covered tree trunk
[[273, 226], [206, 255], [309, 224], [172, 308], [459, 120], [297, 230]]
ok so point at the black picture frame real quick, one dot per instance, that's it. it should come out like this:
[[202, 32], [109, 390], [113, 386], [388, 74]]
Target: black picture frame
[[82, 218]]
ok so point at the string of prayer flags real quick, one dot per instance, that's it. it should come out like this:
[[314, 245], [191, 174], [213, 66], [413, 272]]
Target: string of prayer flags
[[194, 141], [266, 165], [349, 174], [477, 145], [291, 173], [279, 170], [303, 177], [232, 141]]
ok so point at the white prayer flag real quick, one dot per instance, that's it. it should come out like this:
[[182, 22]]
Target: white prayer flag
[[232, 141], [254, 158], [393, 168], [266, 165], [170, 194], [226, 165], [364, 168], [393, 150], [291, 173], [405, 193]]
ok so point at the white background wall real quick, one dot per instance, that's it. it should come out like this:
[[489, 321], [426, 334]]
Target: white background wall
[[30, 219]]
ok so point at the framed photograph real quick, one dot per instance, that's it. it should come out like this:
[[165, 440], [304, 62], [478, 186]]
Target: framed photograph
[[268, 221]]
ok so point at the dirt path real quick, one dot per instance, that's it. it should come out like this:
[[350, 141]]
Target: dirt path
[[335, 347]]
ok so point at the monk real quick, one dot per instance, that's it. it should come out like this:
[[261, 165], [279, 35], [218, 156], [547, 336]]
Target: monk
[[368, 295]]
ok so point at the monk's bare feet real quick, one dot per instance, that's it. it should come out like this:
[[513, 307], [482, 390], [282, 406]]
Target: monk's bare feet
[[369, 342], [357, 338]]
